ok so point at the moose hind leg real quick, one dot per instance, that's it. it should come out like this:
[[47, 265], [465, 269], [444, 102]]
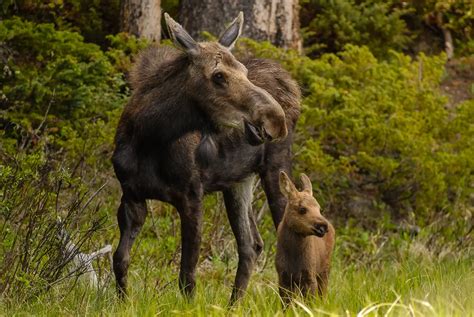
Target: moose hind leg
[[191, 224], [238, 200], [131, 216]]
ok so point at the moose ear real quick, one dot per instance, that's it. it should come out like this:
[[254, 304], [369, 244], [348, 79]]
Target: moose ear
[[180, 37], [307, 186], [232, 33], [287, 187]]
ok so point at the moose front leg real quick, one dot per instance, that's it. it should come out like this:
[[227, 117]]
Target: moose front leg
[[277, 158], [191, 224], [276, 201], [238, 202], [131, 216]]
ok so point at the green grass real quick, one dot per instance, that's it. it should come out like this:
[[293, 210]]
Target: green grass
[[415, 286], [375, 273]]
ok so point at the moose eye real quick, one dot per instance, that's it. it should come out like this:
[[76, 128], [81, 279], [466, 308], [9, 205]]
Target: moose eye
[[218, 78], [302, 210]]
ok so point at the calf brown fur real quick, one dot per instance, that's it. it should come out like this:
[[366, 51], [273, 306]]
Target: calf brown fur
[[305, 242]]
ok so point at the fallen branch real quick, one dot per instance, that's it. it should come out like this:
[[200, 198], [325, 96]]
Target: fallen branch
[[82, 262]]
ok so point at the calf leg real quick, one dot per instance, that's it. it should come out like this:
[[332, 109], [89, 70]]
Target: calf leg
[[285, 288], [238, 201], [191, 224], [131, 216], [322, 279]]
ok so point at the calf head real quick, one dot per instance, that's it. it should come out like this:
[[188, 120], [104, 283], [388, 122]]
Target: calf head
[[219, 84], [302, 213]]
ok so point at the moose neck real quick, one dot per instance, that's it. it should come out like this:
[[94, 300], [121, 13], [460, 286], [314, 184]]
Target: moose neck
[[171, 112], [294, 242]]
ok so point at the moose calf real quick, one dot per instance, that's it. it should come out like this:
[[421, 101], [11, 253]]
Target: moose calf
[[305, 242]]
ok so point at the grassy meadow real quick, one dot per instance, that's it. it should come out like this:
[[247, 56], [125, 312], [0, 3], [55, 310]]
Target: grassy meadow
[[394, 275], [413, 287]]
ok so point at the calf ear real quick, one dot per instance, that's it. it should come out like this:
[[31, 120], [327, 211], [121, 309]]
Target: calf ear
[[287, 187], [307, 186], [180, 37], [232, 33]]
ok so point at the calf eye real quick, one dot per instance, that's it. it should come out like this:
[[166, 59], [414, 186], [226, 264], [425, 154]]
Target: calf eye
[[218, 78], [302, 210]]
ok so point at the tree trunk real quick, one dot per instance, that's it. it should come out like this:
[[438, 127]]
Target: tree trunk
[[141, 18], [276, 21], [448, 39]]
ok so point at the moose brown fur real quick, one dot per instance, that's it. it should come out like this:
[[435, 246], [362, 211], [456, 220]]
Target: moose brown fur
[[201, 121], [305, 242]]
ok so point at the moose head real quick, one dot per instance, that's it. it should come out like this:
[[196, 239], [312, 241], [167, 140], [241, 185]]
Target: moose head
[[218, 83], [303, 213]]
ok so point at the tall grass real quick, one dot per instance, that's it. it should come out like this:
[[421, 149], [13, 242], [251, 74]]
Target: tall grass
[[414, 286]]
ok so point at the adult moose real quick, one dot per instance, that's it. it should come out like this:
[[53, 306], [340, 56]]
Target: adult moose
[[200, 121]]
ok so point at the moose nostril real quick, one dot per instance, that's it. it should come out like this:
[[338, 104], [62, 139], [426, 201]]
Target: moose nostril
[[265, 135], [323, 227], [320, 229]]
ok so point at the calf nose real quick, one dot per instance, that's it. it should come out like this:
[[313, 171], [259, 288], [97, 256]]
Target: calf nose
[[320, 229]]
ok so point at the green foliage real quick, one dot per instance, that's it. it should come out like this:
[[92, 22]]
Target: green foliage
[[34, 196], [60, 102], [375, 136], [122, 47], [328, 25], [414, 286], [170, 6], [331, 24], [53, 82], [94, 19], [455, 15]]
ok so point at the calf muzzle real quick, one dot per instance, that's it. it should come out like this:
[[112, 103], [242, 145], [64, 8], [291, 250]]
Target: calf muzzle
[[320, 229]]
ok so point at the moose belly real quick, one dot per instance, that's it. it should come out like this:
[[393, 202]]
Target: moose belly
[[167, 169]]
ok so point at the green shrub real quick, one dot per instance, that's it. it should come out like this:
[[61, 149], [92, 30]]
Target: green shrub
[[328, 25], [93, 19], [122, 48], [60, 102], [34, 195], [376, 137], [455, 16], [53, 83]]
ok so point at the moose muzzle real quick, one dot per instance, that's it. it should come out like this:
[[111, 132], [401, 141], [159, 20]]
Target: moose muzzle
[[267, 122]]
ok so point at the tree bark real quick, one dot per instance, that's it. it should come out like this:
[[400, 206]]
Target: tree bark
[[141, 18], [448, 39], [276, 21]]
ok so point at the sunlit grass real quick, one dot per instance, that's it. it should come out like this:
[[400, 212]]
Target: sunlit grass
[[373, 274], [415, 287]]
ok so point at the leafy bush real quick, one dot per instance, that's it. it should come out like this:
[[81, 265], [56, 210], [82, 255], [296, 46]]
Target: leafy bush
[[376, 137], [455, 16], [34, 196], [93, 19], [329, 25], [123, 47], [53, 83], [60, 102]]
